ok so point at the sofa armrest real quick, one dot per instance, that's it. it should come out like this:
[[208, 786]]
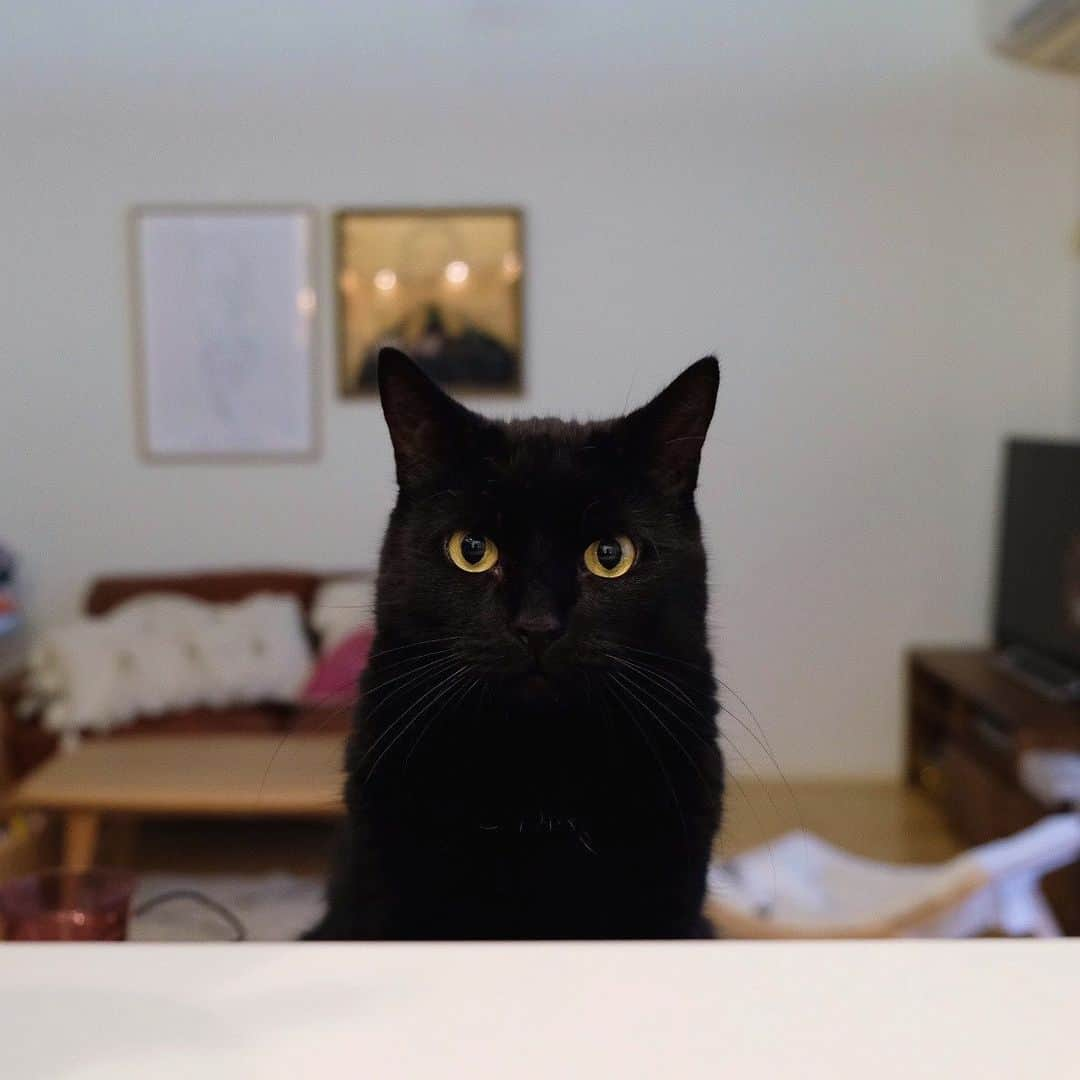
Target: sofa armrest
[[10, 689], [24, 743]]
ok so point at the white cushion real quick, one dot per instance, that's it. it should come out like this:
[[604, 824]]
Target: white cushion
[[255, 651], [341, 607], [161, 652]]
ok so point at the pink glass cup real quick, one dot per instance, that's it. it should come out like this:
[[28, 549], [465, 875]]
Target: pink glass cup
[[57, 905]]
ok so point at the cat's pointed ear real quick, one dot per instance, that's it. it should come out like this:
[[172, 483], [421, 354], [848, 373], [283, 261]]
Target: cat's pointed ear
[[670, 430], [426, 425]]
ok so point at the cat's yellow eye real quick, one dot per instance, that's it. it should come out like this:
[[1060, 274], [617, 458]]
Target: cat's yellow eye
[[471, 552], [611, 557]]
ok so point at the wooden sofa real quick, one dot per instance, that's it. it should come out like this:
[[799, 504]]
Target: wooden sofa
[[26, 743]]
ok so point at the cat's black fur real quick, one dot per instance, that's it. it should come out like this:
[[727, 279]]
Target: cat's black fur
[[535, 751]]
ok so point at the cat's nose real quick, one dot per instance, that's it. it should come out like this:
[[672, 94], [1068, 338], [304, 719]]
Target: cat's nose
[[537, 632]]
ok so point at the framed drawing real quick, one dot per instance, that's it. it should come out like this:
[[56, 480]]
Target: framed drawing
[[443, 285], [225, 333]]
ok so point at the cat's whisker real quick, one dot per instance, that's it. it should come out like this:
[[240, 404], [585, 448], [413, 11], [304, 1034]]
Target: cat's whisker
[[633, 689], [413, 679], [750, 712], [327, 716], [408, 676], [656, 756], [779, 772], [705, 671], [635, 676], [731, 742], [335, 695], [419, 708], [748, 802], [662, 656], [428, 696], [413, 645], [762, 742], [418, 679], [424, 661], [383, 668], [734, 746], [660, 680], [731, 776], [451, 698]]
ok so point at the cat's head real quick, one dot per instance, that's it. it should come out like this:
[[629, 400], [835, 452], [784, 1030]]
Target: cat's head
[[540, 548]]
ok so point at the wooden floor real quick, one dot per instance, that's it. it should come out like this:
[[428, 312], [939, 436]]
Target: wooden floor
[[875, 819]]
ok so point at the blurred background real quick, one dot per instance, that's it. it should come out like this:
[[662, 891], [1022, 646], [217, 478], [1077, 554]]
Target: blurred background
[[867, 213]]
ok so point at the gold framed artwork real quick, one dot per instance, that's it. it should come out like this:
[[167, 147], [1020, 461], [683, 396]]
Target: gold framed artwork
[[443, 285]]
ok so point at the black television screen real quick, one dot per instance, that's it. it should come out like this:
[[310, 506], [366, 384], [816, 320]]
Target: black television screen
[[1038, 592]]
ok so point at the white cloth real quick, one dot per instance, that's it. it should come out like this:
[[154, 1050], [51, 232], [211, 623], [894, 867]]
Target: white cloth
[[339, 608], [800, 881], [161, 652], [1052, 776]]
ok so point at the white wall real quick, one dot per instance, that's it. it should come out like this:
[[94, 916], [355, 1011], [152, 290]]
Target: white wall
[[863, 213]]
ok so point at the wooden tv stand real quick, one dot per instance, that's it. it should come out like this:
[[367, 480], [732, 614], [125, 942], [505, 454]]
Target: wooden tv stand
[[968, 723]]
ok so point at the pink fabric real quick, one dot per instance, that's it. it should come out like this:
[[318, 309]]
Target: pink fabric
[[333, 682]]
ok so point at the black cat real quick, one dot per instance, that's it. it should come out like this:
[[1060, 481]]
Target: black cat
[[535, 751]]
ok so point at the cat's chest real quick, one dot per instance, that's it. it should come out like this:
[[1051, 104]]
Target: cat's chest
[[529, 859], [531, 845]]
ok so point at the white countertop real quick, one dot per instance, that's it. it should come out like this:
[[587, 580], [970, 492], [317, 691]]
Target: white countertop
[[609, 1012]]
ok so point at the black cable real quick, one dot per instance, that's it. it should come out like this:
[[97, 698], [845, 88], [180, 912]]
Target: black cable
[[221, 910]]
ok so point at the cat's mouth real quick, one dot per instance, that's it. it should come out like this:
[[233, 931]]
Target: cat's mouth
[[538, 687]]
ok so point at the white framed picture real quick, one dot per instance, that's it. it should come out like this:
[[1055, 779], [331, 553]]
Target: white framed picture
[[225, 328]]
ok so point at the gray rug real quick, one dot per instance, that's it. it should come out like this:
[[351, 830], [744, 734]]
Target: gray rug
[[271, 907]]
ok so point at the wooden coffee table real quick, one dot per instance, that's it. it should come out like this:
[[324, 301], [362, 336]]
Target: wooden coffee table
[[299, 776]]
